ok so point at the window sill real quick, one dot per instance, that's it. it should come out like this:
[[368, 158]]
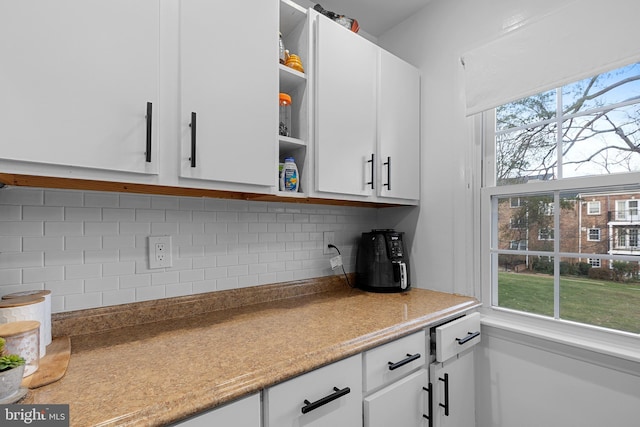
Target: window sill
[[616, 350]]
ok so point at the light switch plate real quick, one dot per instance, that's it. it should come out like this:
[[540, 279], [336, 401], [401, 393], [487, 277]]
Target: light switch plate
[[160, 252]]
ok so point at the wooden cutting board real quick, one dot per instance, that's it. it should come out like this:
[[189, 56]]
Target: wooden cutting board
[[52, 366]]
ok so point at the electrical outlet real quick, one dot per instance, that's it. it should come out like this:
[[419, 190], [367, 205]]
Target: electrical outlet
[[160, 252], [328, 239]]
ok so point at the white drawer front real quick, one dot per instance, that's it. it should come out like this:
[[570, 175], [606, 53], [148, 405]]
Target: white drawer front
[[400, 404], [284, 402], [393, 360], [454, 337]]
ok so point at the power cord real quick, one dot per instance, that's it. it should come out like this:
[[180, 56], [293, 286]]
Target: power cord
[[343, 271]]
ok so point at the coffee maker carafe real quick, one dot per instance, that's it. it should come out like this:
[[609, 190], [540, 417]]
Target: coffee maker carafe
[[382, 263]]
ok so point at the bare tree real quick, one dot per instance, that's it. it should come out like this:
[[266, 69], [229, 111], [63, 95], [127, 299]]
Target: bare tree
[[600, 129]]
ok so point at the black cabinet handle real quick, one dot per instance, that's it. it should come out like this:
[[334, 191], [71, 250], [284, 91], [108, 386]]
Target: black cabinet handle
[[429, 405], [469, 337], [310, 406], [446, 394], [373, 166], [149, 118], [192, 125], [410, 358], [388, 165]]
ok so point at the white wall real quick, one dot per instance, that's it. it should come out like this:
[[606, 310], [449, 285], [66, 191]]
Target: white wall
[[90, 248], [518, 384]]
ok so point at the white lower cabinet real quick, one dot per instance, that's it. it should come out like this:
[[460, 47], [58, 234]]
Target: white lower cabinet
[[453, 387], [241, 413], [403, 403], [330, 396]]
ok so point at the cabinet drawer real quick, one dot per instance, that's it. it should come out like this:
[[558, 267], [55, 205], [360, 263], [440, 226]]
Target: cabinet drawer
[[402, 403], [329, 396], [391, 361], [454, 337]]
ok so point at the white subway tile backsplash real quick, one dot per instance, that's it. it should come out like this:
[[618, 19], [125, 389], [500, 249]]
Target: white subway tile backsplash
[[21, 259], [82, 271], [101, 284], [101, 200], [63, 198], [118, 215], [82, 214], [21, 228], [21, 196], [63, 257], [90, 248], [10, 277], [10, 213], [135, 201]]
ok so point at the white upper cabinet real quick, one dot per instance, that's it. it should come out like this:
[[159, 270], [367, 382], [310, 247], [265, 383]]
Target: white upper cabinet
[[367, 119], [229, 83], [345, 115], [76, 79], [398, 128]]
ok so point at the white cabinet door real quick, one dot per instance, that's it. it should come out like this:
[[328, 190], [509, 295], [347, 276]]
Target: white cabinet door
[[229, 79], [398, 128], [345, 110], [403, 403], [75, 80], [453, 391], [241, 413], [327, 397]]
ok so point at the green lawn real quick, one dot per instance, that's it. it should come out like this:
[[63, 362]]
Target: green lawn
[[609, 304]]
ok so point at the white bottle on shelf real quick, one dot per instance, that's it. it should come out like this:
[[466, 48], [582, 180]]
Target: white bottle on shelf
[[289, 179]]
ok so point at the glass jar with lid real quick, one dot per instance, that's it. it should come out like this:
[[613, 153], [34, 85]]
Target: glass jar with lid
[[285, 114]]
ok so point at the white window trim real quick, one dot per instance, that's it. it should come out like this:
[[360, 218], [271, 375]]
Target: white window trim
[[598, 261], [581, 341], [593, 202], [589, 239]]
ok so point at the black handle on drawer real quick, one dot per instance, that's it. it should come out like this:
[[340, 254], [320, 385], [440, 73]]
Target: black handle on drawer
[[192, 125], [373, 166], [310, 406], [469, 337], [149, 118], [388, 165], [446, 394], [429, 405], [410, 358]]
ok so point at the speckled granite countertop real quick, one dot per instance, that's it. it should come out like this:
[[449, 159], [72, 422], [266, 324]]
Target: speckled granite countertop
[[153, 372]]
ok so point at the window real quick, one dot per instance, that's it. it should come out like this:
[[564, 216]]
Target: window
[[545, 234], [550, 155], [515, 202], [593, 208], [627, 210]]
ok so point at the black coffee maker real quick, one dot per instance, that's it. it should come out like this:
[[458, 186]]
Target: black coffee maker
[[382, 263]]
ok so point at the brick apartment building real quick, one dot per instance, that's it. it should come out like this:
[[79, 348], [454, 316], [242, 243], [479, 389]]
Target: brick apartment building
[[590, 224]]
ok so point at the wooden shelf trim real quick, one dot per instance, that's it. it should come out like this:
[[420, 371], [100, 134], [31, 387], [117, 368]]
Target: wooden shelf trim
[[36, 181]]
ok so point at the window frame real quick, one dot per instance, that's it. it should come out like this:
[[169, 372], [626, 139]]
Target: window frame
[[589, 230], [487, 203], [593, 202]]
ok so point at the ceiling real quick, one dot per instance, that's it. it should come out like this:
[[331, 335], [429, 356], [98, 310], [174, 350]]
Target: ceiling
[[374, 16]]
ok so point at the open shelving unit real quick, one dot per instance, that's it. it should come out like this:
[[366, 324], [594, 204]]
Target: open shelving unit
[[294, 26]]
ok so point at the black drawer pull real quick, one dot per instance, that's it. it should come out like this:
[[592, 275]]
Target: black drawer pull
[[373, 166], [446, 394], [192, 125], [429, 405], [469, 337], [149, 118], [403, 362], [310, 406], [388, 165]]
